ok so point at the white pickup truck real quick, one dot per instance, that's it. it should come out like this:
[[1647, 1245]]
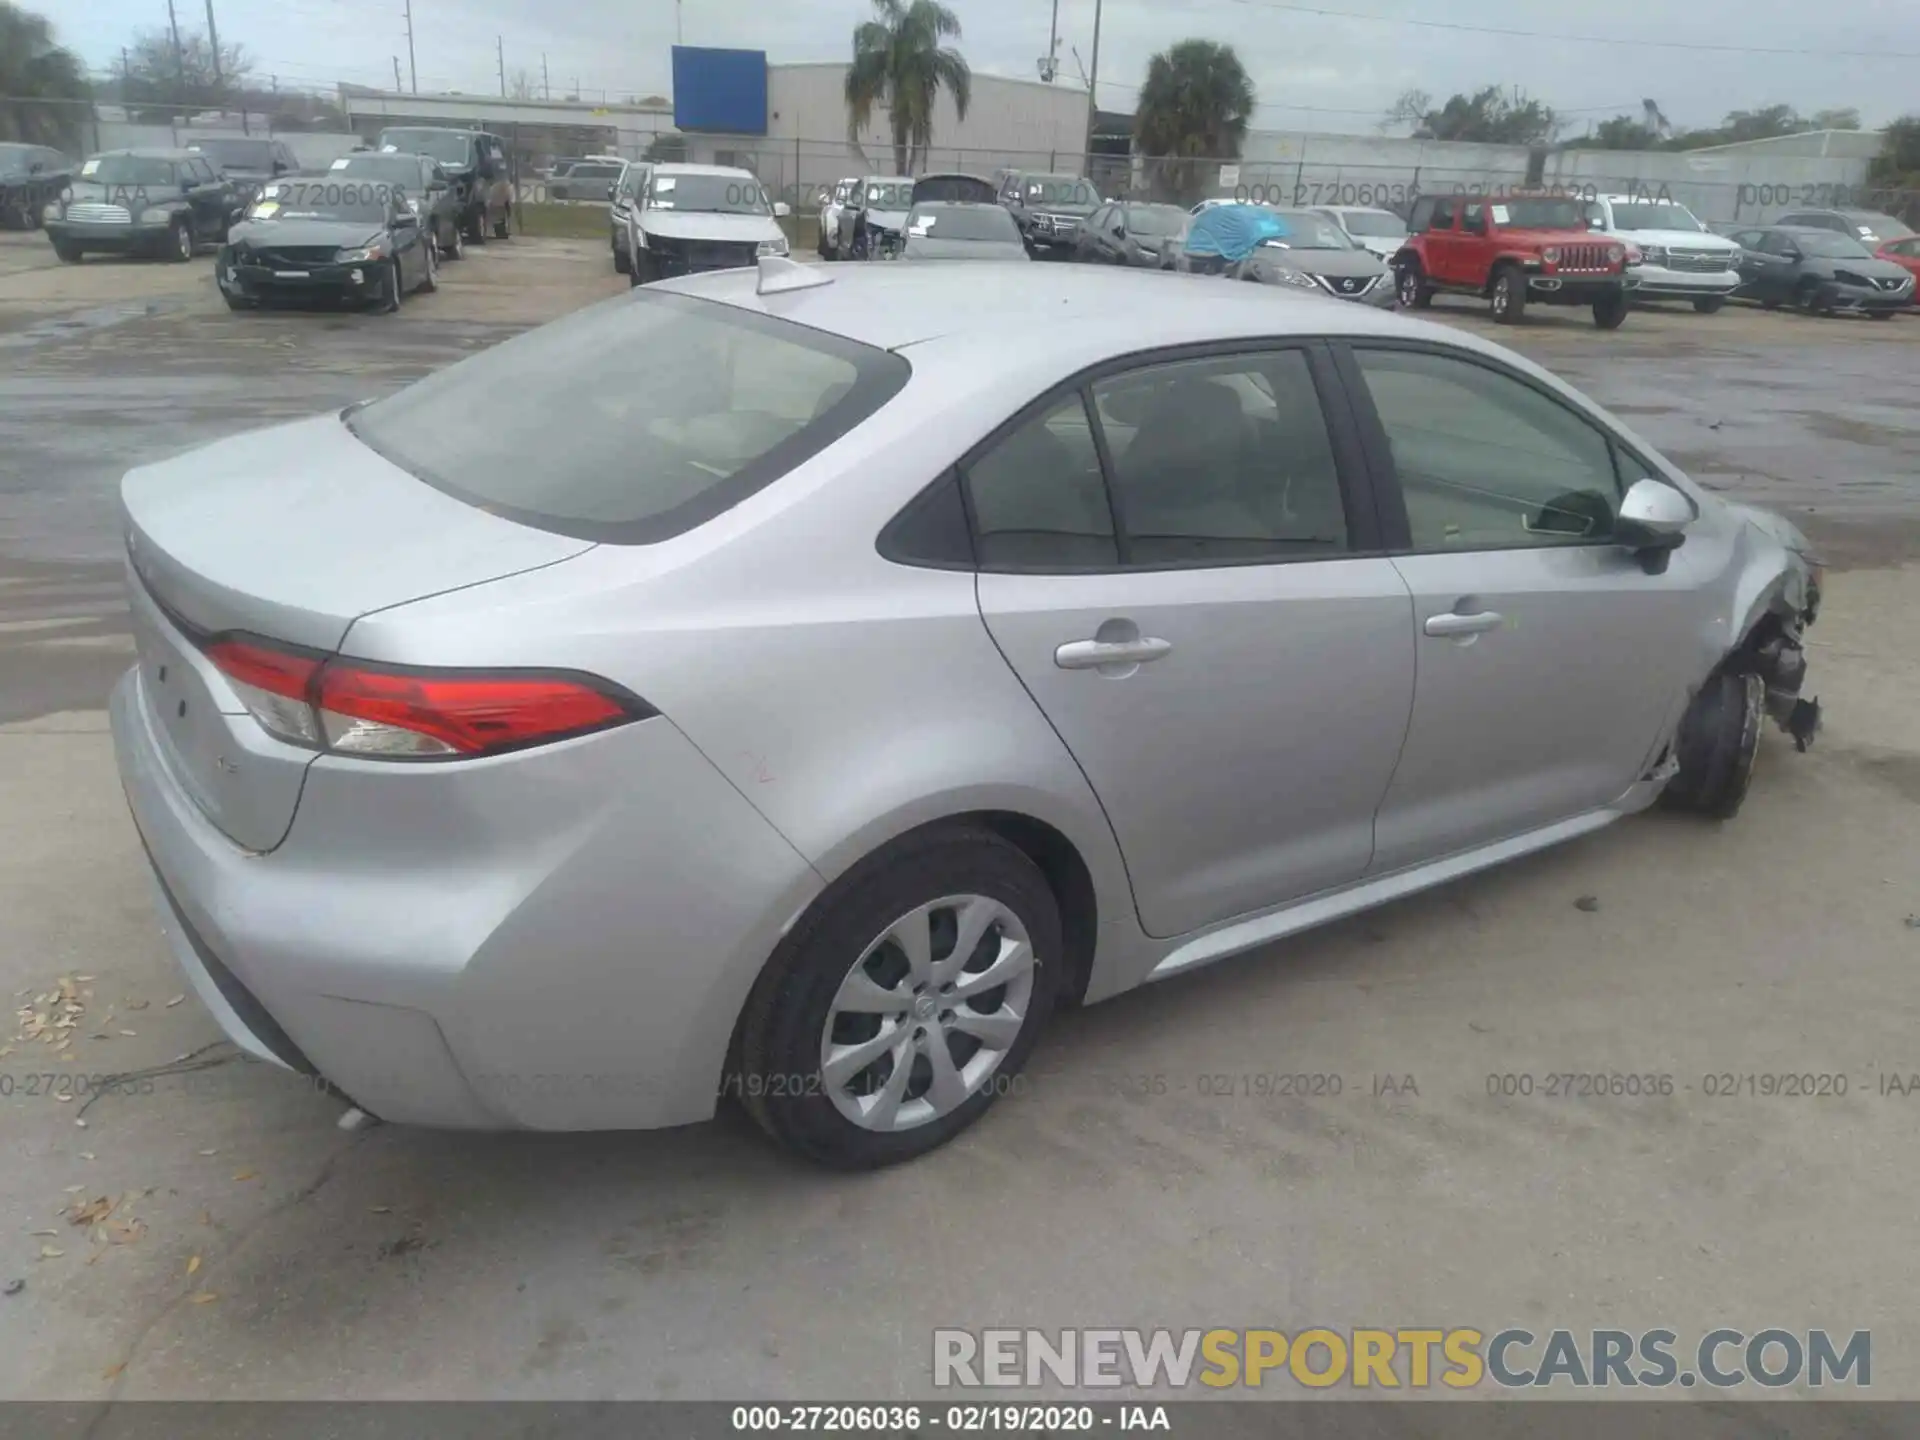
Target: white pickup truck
[[1680, 258]]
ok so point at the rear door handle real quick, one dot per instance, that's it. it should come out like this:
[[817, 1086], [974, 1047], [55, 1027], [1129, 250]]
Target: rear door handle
[[1456, 624], [1093, 654]]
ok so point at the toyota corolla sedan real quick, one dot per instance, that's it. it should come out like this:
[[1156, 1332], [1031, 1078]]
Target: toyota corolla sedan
[[854, 688]]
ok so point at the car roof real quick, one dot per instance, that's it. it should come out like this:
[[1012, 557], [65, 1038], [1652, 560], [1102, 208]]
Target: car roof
[[1351, 209], [730, 172], [147, 152], [888, 179], [891, 306], [958, 205]]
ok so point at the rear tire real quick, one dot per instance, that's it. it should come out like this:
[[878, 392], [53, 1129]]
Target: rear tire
[[621, 264], [1508, 298], [795, 1012], [392, 291], [69, 254], [1709, 304], [477, 227], [503, 227], [238, 302], [454, 247], [1610, 313], [430, 282], [1808, 299], [1718, 741], [180, 242], [1880, 314]]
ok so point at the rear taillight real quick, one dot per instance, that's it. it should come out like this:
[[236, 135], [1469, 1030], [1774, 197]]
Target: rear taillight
[[413, 713]]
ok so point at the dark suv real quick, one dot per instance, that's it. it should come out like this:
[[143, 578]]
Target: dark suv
[[476, 164], [31, 178], [1511, 250], [1048, 208], [143, 202], [1870, 227], [249, 163]]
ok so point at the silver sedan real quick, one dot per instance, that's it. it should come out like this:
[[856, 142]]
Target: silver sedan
[[877, 669]]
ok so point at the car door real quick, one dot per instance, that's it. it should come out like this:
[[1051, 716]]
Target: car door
[[1442, 245], [1179, 559], [207, 194], [1551, 664], [1778, 267], [409, 242], [1093, 242]]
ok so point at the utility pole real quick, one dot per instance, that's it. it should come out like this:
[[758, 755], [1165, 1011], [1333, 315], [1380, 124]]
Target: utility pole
[[1093, 84], [179, 64], [1053, 42], [679, 34], [413, 71], [546, 86], [500, 52], [396, 72]]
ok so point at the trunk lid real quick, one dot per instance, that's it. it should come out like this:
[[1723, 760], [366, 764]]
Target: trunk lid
[[289, 533]]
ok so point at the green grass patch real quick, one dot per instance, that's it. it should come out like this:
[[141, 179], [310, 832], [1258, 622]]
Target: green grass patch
[[553, 220]]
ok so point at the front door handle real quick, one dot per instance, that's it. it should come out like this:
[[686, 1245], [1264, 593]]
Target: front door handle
[[1456, 624], [1098, 654]]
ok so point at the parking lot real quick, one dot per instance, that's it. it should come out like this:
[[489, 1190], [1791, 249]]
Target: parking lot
[[1151, 1174]]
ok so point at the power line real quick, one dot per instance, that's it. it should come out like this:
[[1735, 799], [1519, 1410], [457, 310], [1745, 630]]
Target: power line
[[1562, 38]]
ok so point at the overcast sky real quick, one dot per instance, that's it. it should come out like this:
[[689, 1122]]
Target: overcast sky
[[1311, 71]]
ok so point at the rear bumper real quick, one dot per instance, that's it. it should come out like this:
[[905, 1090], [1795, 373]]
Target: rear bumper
[[516, 943]]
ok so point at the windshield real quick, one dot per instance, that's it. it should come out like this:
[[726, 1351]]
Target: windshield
[[1880, 227], [1156, 220], [238, 154], [676, 409], [329, 199], [447, 146], [1307, 231], [963, 222], [1060, 190], [890, 194], [709, 194], [1832, 244], [400, 169], [1375, 222], [1552, 214], [127, 170], [1642, 215], [13, 157]]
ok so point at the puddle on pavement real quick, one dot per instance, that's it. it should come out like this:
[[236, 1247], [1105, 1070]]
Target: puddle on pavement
[[84, 322]]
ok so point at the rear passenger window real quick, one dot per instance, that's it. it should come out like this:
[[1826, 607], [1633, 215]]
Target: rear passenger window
[[1039, 502], [1222, 460]]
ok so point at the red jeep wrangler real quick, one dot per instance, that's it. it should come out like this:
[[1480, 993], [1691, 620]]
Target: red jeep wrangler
[[1511, 249]]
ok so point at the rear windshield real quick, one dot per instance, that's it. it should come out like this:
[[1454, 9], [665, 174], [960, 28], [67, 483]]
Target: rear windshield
[[960, 222], [1542, 214], [1156, 220], [1375, 223], [238, 154], [633, 420], [1883, 227], [401, 169]]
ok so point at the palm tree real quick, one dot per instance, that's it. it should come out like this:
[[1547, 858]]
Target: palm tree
[[899, 62], [43, 91], [1194, 107]]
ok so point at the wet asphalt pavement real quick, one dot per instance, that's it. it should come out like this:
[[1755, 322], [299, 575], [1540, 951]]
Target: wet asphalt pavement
[[1816, 418]]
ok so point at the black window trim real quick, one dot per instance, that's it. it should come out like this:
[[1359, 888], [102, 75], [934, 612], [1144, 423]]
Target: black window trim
[[879, 376], [1385, 486], [1358, 500]]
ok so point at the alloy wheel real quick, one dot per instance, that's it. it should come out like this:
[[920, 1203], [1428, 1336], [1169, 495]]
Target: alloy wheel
[[924, 1017]]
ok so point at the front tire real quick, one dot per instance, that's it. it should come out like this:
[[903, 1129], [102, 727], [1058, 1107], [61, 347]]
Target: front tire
[[1718, 741], [430, 282], [180, 242], [621, 264], [1709, 304], [477, 227], [68, 254], [503, 227], [1508, 298], [1610, 313], [873, 1035], [454, 246], [392, 292], [1415, 293]]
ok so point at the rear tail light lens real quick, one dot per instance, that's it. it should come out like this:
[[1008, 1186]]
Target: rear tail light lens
[[408, 713]]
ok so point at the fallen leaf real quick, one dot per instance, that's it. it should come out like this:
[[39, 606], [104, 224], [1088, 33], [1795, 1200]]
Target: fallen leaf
[[81, 1123], [206, 1217], [75, 1189], [92, 1213], [376, 1209], [38, 1233], [138, 1004], [205, 1297], [86, 1154], [63, 1097], [47, 1252], [175, 1001], [243, 1174], [1588, 903], [113, 1370], [193, 1264], [94, 1258], [99, 1035], [127, 1032], [13, 1287], [84, 979], [210, 1152]]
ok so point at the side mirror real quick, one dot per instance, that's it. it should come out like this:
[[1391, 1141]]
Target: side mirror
[[280, 167], [610, 190], [1653, 521], [781, 210]]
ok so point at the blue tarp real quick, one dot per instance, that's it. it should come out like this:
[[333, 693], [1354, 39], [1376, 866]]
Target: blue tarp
[[1233, 232]]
